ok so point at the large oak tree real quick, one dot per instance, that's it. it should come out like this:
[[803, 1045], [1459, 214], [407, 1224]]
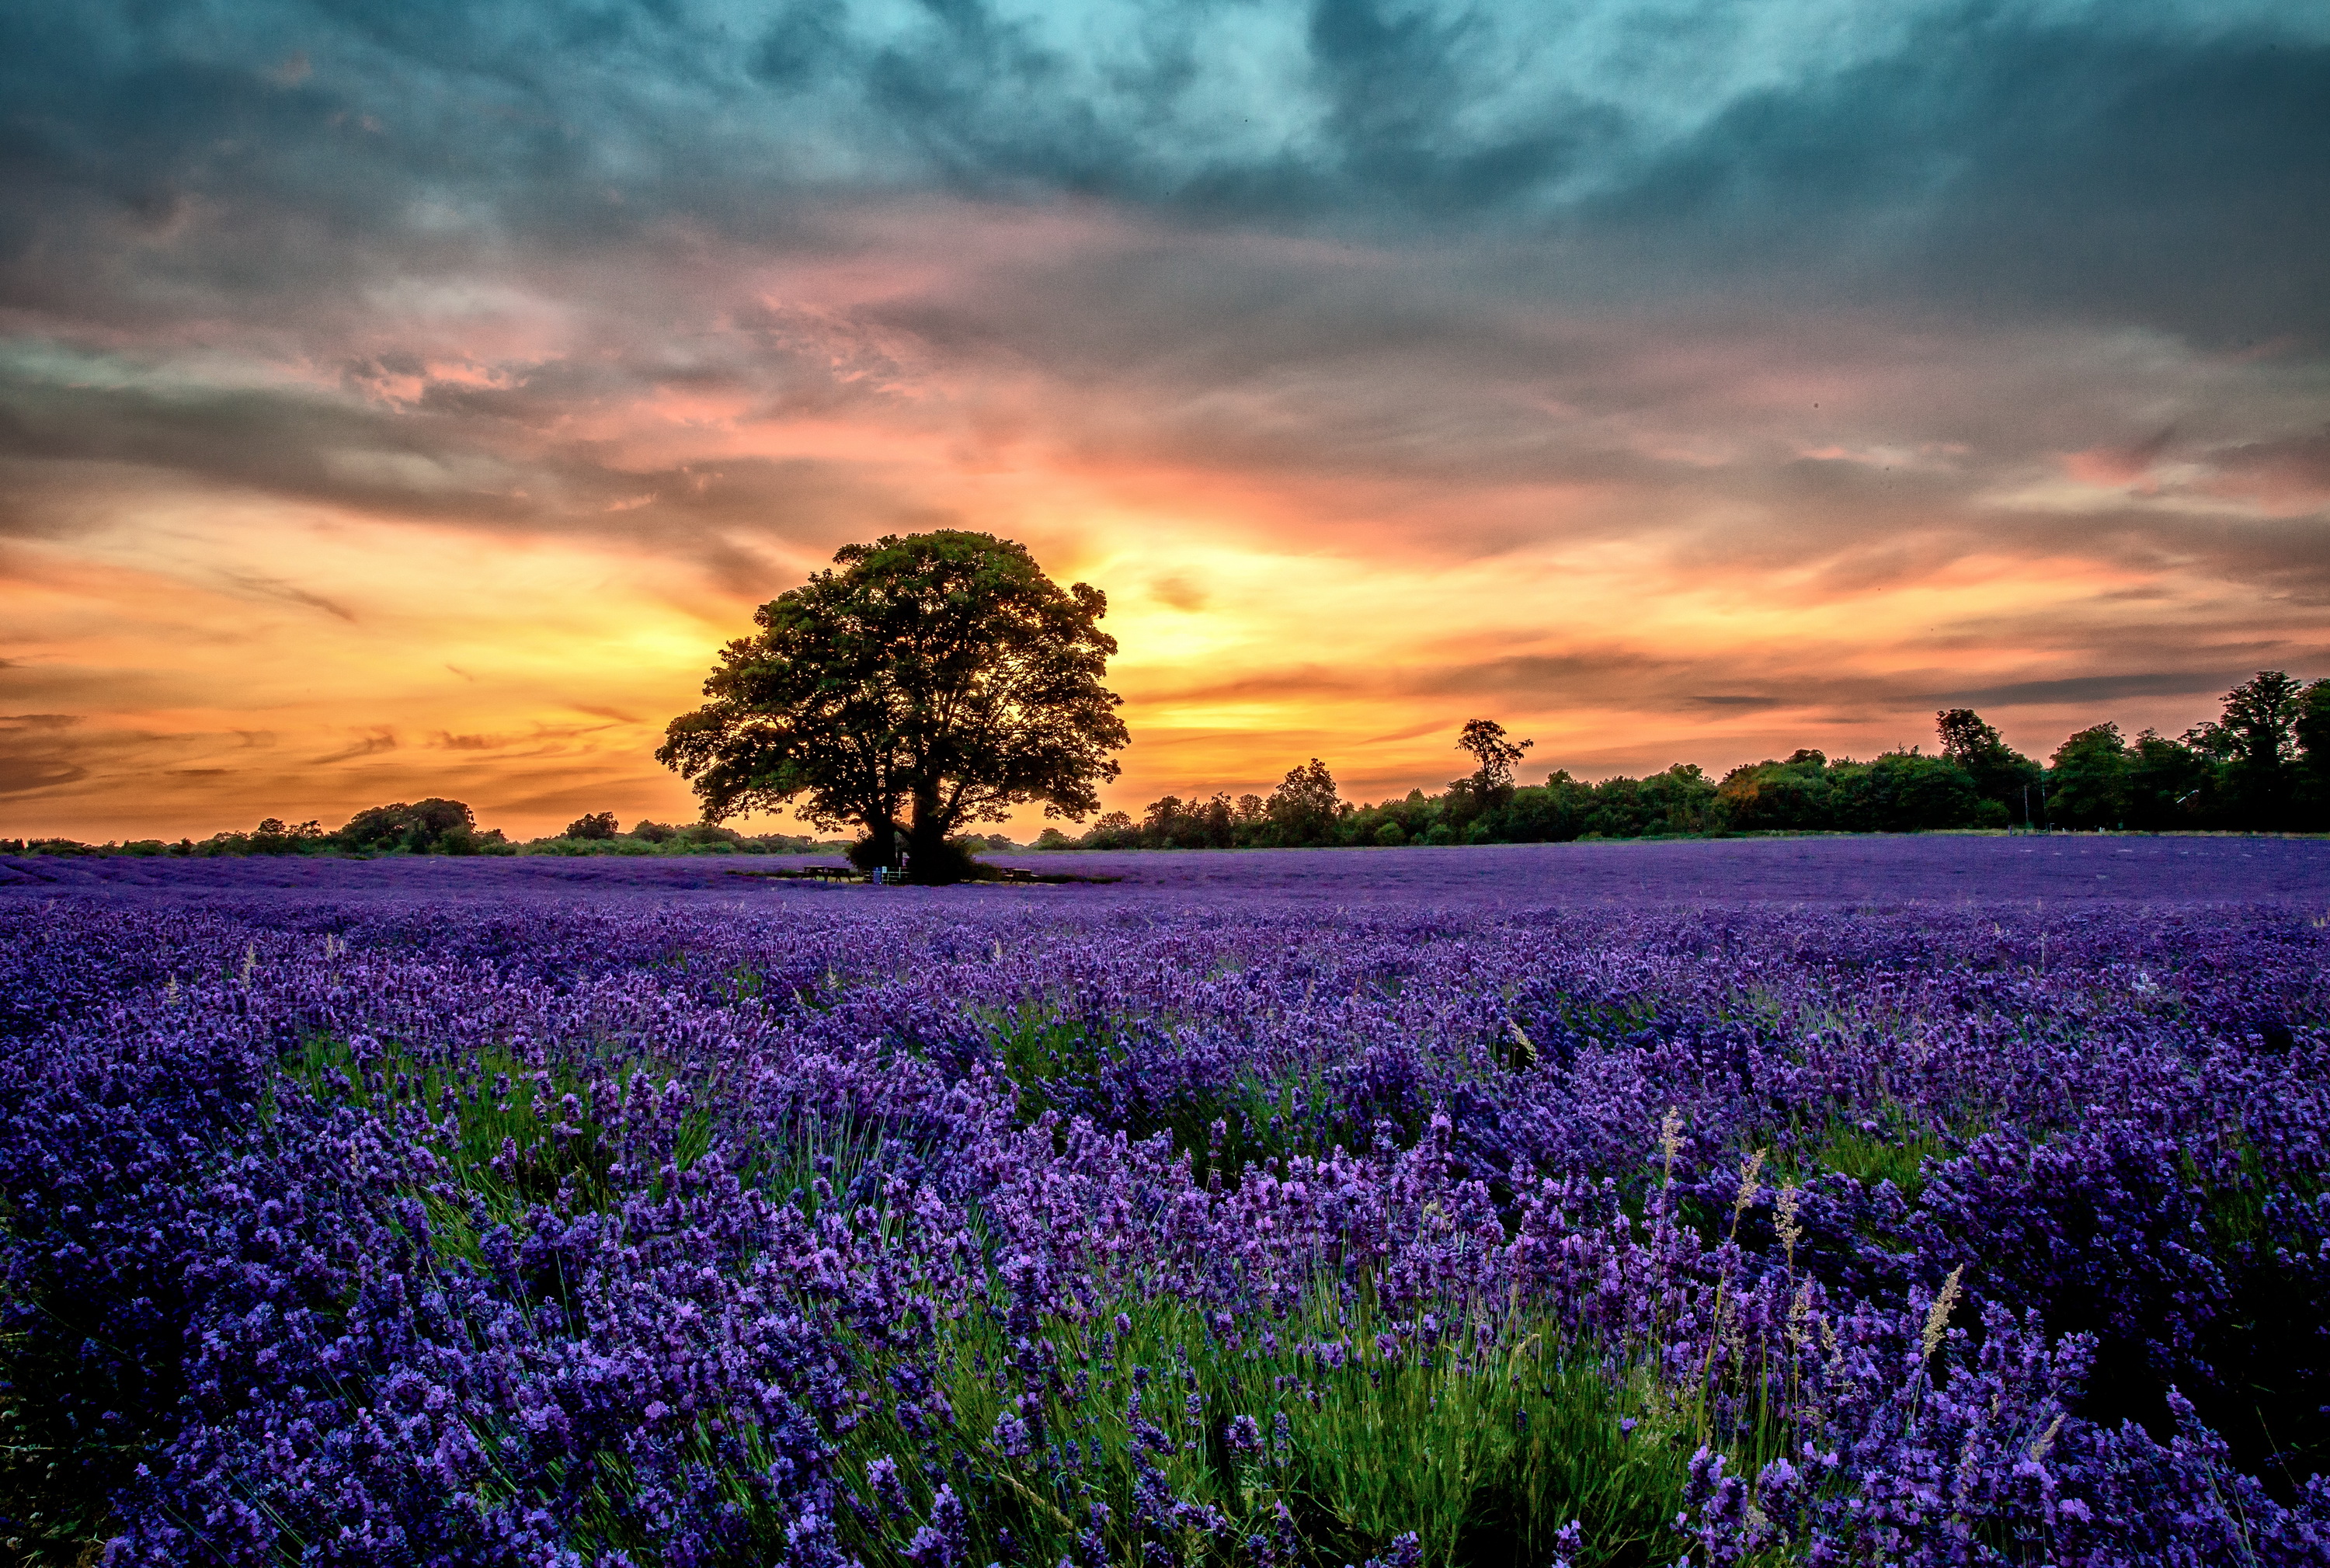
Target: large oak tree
[[924, 683]]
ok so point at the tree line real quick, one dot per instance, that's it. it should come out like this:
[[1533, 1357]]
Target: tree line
[[441, 826], [2261, 765]]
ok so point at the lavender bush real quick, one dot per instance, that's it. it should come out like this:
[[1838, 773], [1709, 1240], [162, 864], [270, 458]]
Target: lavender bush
[[1467, 1206]]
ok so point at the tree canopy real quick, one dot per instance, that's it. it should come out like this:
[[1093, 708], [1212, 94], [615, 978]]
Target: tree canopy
[[2257, 737], [925, 682], [1495, 754], [430, 827]]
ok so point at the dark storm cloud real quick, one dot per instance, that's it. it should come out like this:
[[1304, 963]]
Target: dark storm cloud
[[2124, 164], [2172, 181]]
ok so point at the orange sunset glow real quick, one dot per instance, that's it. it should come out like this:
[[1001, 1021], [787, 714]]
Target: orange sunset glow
[[356, 454]]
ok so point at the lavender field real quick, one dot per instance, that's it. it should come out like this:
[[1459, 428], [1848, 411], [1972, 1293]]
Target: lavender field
[[1926, 1200]]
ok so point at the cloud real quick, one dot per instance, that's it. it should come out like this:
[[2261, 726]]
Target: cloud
[[369, 744], [2092, 689], [21, 774], [1764, 365], [2290, 473], [275, 588], [1178, 591], [2073, 171]]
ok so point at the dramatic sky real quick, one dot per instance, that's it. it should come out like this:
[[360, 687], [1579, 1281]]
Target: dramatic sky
[[408, 399]]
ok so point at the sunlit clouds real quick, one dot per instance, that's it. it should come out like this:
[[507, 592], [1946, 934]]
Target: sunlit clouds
[[415, 409]]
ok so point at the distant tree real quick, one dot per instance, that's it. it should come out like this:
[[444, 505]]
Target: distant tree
[[430, 827], [1553, 812], [2086, 779], [1165, 823], [1775, 796], [275, 836], [2313, 733], [2256, 737], [1681, 799], [1305, 806], [1899, 792], [1494, 756], [654, 832], [939, 675], [1460, 805], [2170, 785], [1999, 772], [1619, 810], [596, 824]]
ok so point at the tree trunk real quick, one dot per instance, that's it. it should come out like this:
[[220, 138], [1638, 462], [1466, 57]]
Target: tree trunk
[[929, 858], [878, 847]]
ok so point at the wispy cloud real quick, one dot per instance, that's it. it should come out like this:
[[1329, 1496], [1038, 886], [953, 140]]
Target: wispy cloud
[[369, 744]]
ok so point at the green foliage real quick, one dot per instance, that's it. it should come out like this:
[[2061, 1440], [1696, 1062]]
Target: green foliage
[[1871, 1153], [1040, 1049], [1173, 823], [696, 838], [2087, 779], [1305, 806], [2168, 784], [1792, 794], [2312, 733], [2256, 738], [430, 827], [1060, 1063], [1896, 793], [517, 1140], [2001, 776], [588, 846], [1903, 792], [1884, 1141], [1680, 800], [2245, 1199], [1478, 1431]]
